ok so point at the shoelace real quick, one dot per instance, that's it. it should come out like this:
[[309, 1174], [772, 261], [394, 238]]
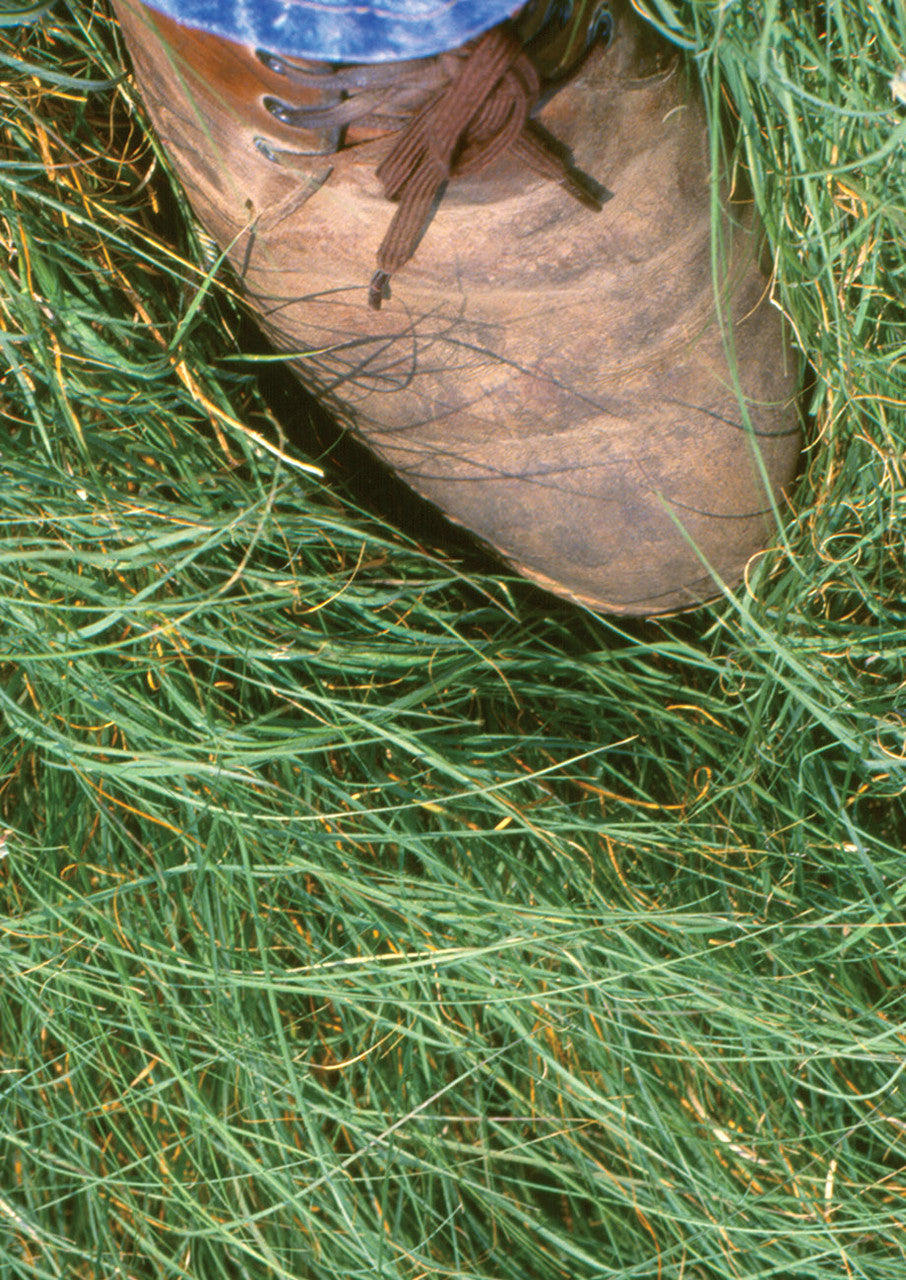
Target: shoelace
[[483, 113], [480, 99]]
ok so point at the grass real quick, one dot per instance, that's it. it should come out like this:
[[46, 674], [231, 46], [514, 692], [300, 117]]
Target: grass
[[366, 912]]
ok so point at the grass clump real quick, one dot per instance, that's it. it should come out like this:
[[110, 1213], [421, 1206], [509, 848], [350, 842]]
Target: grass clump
[[367, 913]]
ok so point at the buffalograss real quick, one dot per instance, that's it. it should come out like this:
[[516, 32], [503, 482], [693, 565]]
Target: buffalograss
[[366, 912]]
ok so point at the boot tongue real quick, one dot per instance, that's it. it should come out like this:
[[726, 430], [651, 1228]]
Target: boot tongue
[[482, 113]]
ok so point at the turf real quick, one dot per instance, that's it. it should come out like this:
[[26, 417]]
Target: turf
[[365, 911]]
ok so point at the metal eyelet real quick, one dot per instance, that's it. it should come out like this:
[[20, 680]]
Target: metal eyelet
[[272, 61], [282, 111], [285, 158], [264, 148], [328, 140]]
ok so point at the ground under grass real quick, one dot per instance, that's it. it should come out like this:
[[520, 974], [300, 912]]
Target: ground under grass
[[365, 912]]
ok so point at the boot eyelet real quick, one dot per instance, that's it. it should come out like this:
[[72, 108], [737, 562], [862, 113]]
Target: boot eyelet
[[272, 62], [281, 111], [327, 140], [283, 157], [265, 149]]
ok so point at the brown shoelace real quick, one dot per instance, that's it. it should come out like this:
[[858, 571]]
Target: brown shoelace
[[482, 113], [455, 114]]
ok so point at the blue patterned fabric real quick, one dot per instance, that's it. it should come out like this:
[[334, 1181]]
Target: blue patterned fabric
[[343, 30]]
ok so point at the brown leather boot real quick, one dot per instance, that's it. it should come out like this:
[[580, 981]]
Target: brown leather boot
[[559, 380]]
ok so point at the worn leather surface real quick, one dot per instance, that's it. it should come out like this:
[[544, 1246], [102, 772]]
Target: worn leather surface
[[557, 380]]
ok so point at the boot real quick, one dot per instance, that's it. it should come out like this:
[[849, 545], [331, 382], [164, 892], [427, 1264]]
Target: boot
[[533, 339]]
